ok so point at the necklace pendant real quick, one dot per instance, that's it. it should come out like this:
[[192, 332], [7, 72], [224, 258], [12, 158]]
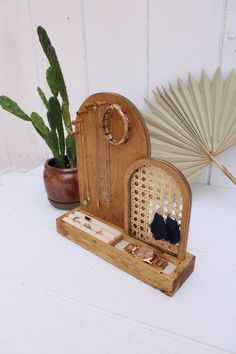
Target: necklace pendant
[[84, 202], [108, 198]]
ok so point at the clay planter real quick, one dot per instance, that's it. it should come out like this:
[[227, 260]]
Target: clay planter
[[61, 185]]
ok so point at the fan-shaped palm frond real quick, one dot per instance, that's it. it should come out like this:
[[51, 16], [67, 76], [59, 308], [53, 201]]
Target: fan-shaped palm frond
[[191, 123]]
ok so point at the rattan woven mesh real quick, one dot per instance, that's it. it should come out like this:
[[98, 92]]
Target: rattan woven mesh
[[153, 190]]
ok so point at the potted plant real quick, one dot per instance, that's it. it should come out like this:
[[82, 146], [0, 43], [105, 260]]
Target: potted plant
[[60, 172]]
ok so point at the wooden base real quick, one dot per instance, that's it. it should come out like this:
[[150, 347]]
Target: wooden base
[[167, 283]]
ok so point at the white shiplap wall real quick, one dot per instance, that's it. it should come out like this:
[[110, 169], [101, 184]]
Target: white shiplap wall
[[125, 46]]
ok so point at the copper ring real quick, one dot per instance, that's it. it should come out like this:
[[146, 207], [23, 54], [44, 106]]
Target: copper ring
[[76, 219]]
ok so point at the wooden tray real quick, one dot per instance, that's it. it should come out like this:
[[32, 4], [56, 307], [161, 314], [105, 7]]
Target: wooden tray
[[167, 283], [138, 184]]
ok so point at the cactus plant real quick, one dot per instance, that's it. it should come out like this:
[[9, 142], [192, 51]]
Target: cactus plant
[[58, 114]]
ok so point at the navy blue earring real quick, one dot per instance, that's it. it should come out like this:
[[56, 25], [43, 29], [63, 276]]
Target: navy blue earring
[[158, 227], [172, 228]]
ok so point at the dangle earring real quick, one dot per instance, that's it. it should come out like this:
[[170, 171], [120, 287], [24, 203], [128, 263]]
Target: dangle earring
[[158, 227], [173, 232]]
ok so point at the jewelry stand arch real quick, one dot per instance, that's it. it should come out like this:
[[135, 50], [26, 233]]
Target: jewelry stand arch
[[101, 165]]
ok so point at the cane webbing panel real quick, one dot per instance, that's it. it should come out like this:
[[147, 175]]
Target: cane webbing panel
[[153, 190]]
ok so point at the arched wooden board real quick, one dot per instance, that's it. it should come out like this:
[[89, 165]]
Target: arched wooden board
[[154, 185], [121, 156]]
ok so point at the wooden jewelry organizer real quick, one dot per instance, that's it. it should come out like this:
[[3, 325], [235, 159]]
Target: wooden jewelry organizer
[[139, 187]]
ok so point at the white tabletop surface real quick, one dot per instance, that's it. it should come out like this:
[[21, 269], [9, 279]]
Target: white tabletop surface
[[57, 298]]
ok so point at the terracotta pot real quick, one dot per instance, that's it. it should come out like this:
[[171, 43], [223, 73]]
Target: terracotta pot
[[61, 185]]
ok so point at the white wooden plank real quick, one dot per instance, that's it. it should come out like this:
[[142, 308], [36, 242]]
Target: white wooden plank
[[213, 211], [57, 286], [63, 24], [21, 146], [227, 61], [184, 37], [129, 46], [46, 322], [116, 47], [23, 65]]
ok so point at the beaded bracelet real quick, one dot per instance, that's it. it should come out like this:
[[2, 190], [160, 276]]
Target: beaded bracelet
[[105, 124]]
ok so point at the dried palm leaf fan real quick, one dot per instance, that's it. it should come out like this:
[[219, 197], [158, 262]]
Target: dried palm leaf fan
[[191, 123]]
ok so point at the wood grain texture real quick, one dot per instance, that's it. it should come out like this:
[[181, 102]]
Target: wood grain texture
[[121, 156], [135, 267]]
